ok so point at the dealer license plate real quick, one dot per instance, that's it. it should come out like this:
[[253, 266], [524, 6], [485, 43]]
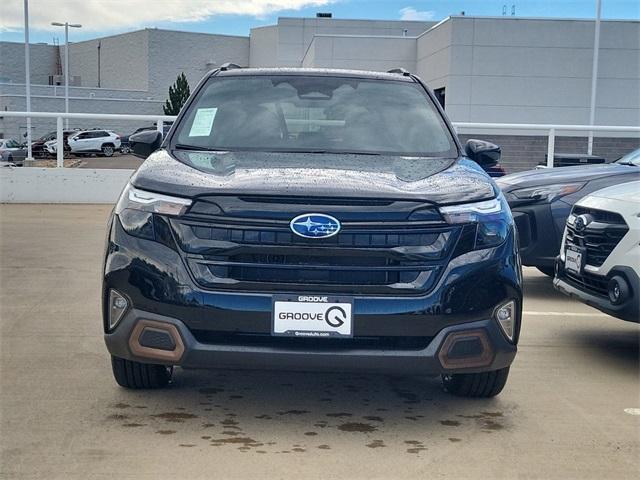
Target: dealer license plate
[[573, 260], [312, 316]]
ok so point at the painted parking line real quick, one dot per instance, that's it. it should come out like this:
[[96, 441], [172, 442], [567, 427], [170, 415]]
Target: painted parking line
[[564, 314]]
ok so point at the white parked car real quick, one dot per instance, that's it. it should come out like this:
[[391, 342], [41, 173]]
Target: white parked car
[[103, 142], [599, 260], [51, 146]]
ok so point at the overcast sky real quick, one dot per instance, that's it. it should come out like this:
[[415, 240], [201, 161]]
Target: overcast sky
[[236, 17]]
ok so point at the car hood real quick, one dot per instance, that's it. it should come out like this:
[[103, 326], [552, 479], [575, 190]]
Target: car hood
[[439, 181], [549, 176], [628, 192]]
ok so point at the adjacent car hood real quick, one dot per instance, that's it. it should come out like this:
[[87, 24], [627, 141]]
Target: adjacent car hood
[[627, 192], [548, 176], [440, 181]]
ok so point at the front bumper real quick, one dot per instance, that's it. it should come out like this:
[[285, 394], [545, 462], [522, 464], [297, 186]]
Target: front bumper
[[155, 281], [499, 352], [628, 310]]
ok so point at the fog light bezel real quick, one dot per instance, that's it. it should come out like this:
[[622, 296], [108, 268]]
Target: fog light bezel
[[483, 360], [511, 336], [172, 356], [114, 318], [623, 290]]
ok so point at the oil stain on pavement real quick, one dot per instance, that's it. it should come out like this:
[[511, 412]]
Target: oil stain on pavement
[[253, 412]]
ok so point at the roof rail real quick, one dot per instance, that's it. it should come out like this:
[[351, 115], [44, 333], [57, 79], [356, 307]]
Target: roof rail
[[400, 71], [229, 66]]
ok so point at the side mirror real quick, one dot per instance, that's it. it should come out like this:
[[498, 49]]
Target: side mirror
[[485, 154], [145, 143]]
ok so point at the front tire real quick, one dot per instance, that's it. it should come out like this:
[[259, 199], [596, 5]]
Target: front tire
[[136, 375], [479, 385]]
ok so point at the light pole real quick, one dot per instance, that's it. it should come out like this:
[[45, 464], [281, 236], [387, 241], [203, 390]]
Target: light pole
[[27, 82], [66, 26], [594, 75]]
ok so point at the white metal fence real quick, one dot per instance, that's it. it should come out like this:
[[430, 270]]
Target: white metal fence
[[551, 131], [159, 119]]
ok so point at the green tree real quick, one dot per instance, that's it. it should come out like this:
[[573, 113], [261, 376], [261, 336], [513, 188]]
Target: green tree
[[178, 94]]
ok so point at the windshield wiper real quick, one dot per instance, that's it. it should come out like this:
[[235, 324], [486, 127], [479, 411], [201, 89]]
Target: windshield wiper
[[196, 148], [355, 152], [627, 163], [338, 152]]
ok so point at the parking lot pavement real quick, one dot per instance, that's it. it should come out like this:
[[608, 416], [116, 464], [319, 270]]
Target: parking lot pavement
[[562, 414], [117, 161]]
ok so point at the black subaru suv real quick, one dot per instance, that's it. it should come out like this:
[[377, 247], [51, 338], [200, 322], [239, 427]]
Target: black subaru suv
[[310, 219]]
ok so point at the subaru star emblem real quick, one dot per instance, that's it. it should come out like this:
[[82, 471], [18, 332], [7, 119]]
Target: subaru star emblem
[[581, 222], [315, 225]]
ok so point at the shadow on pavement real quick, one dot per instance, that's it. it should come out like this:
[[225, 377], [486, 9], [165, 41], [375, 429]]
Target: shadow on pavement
[[541, 287], [619, 349]]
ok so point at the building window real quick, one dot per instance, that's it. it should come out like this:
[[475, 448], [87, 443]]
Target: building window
[[439, 93]]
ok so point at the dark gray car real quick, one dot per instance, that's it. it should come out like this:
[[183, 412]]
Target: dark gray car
[[541, 201]]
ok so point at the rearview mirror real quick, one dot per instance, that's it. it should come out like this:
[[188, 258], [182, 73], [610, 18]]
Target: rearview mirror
[[485, 154], [145, 143]]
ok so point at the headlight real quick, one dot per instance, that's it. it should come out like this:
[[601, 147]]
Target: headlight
[[492, 217], [547, 193], [135, 209]]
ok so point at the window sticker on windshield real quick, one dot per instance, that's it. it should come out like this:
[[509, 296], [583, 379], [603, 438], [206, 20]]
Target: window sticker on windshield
[[202, 122]]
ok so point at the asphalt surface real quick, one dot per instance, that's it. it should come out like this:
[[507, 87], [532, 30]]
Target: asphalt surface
[[116, 161], [562, 414], [94, 161]]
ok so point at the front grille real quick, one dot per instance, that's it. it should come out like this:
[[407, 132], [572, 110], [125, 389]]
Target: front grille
[[600, 215], [397, 257], [588, 282], [331, 275], [601, 235], [260, 252], [274, 236], [316, 344]]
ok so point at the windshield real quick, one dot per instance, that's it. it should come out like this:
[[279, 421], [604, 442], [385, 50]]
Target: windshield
[[46, 137], [631, 158], [315, 114]]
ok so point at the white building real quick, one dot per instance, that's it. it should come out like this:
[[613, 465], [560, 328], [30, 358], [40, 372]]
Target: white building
[[485, 69]]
